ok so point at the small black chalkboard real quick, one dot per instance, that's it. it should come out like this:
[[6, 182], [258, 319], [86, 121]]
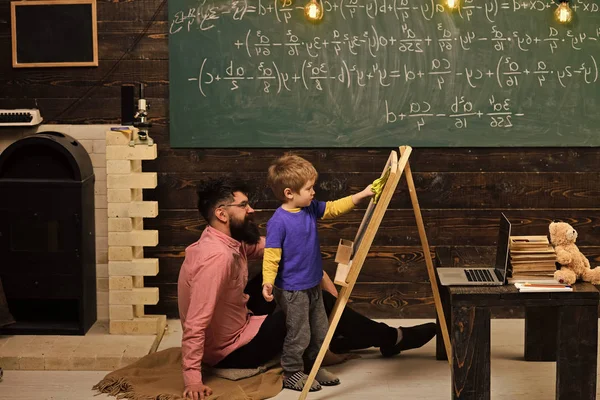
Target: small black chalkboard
[[60, 33]]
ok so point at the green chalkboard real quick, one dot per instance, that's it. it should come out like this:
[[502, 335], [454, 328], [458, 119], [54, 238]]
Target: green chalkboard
[[380, 73]]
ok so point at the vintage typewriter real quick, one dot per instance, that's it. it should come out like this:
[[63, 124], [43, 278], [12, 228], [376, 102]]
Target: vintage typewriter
[[20, 117]]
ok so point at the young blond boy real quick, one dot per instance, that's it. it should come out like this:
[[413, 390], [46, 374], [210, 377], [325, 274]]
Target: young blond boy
[[292, 265]]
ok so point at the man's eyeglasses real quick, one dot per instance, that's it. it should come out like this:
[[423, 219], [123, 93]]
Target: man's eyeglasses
[[243, 205]]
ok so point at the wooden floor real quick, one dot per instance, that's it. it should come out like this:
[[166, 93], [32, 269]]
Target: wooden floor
[[413, 375]]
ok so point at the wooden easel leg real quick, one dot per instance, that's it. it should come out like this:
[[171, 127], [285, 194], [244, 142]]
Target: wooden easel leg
[[428, 261]]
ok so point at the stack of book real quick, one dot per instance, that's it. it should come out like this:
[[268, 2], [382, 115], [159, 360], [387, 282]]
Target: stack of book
[[542, 286], [531, 257]]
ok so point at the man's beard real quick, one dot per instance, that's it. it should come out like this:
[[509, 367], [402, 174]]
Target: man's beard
[[245, 231]]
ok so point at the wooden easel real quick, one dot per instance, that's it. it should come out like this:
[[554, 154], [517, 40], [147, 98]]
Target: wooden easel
[[364, 237]]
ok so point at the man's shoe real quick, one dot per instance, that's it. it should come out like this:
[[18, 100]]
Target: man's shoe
[[412, 338]]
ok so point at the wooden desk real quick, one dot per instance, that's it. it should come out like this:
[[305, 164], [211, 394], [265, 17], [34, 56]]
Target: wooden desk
[[559, 326]]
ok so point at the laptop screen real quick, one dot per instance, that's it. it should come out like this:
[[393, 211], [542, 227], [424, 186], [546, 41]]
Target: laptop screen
[[503, 243]]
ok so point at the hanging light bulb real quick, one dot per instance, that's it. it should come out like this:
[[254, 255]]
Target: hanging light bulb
[[313, 11], [452, 4], [563, 12]]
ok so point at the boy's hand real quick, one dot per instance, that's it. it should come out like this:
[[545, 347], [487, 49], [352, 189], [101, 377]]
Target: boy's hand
[[268, 292], [364, 194], [368, 191]]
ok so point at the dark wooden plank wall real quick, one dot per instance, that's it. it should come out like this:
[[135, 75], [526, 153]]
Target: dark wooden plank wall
[[461, 191]]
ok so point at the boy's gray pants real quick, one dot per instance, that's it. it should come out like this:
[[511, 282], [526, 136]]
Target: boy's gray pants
[[307, 325]]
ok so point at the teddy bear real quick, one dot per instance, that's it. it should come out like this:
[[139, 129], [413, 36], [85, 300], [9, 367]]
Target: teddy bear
[[574, 265]]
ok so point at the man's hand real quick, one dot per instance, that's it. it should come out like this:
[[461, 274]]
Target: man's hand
[[268, 292], [197, 392]]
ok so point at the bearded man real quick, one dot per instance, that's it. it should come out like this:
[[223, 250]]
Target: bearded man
[[220, 310]]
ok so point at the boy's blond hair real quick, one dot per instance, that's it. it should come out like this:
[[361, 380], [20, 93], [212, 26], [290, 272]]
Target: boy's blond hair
[[290, 171]]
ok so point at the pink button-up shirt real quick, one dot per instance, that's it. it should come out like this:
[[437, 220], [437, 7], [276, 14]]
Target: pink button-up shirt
[[212, 302]]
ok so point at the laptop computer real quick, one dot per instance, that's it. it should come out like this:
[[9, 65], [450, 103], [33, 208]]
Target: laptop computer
[[492, 276]]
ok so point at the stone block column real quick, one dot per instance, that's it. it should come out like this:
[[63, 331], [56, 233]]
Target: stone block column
[[127, 238]]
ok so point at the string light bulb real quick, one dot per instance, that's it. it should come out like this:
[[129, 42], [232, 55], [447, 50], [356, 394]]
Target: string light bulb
[[313, 11], [452, 4], [563, 12]]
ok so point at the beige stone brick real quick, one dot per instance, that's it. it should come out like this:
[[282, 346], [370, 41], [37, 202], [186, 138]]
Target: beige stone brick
[[136, 165], [3, 341], [137, 349], [118, 166], [87, 144], [107, 363], [99, 146], [58, 363], [100, 188], [101, 242], [83, 363], [118, 210], [102, 312], [126, 152], [120, 282], [120, 224], [101, 214], [140, 267], [117, 138], [138, 281], [102, 298], [94, 132], [119, 196], [101, 270], [140, 180], [100, 201], [10, 362], [31, 363], [100, 175], [102, 229], [16, 344], [119, 253], [121, 312], [88, 348], [147, 238], [148, 325], [142, 209], [98, 160], [101, 256], [137, 223], [137, 194], [102, 284], [138, 310], [134, 296], [138, 252], [65, 346]]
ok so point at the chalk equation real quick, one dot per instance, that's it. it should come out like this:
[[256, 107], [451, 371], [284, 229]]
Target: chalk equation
[[498, 113], [207, 15], [256, 43], [316, 75]]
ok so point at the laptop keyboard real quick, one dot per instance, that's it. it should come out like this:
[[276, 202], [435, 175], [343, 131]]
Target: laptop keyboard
[[479, 275]]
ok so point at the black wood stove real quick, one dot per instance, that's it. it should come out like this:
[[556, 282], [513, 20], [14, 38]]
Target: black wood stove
[[47, 235]]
